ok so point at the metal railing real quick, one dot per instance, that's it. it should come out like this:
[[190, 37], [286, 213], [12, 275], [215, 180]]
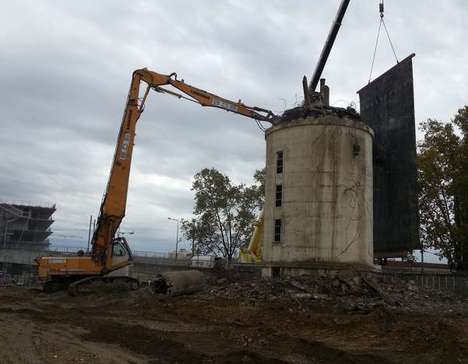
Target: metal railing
[[55, 249], [149, 254]]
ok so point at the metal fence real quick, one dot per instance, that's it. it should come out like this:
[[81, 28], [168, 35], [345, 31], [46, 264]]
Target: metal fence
[[141, 253], [53, 249], [443, 282]]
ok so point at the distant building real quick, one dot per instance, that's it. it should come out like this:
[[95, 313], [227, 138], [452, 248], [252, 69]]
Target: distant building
[[25, 225]]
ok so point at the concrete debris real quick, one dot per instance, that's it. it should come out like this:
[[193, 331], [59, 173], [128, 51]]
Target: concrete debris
[[179, 283], [348, 291]]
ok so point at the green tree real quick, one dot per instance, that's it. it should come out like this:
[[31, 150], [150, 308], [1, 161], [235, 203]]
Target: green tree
[[224, 213], [442, 178]]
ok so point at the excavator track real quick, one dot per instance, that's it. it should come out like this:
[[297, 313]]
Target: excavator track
[[54, 285], [88, 284]]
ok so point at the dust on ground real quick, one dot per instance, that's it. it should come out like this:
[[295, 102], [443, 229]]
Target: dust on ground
[[298, 320]]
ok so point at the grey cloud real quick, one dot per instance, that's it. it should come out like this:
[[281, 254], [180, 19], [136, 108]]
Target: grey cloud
[[66, 67]]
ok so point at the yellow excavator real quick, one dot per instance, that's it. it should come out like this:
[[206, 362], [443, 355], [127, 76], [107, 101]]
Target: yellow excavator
[[253, 253], [110, 255]]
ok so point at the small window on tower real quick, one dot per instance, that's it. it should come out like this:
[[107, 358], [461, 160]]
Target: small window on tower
[[279, 162], [279, 195], [277, 230]]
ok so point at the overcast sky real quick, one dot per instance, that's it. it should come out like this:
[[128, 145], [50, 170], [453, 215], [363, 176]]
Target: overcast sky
[[65, 68]]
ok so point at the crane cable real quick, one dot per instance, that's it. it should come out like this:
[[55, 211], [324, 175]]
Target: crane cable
[[382, 21]]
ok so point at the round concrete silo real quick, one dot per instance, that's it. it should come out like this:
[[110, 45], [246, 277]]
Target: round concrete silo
[[318, 191]]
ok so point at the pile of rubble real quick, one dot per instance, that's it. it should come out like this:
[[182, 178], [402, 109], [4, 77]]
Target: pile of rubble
[[349, 291]]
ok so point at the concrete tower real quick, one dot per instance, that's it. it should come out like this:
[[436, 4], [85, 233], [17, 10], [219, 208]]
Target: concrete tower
[[318, 203]]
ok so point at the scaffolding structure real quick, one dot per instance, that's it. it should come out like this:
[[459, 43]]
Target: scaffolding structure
[[25, 225]]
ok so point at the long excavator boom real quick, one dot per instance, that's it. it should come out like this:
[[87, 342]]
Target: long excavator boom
[[202, 97], [113, 205], [109, 253]]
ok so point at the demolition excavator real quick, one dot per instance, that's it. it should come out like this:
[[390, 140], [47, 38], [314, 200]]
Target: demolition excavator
[[110, 254]]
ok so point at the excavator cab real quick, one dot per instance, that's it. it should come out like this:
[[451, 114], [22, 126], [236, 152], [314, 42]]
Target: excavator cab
[[121, 250], [121, 257]]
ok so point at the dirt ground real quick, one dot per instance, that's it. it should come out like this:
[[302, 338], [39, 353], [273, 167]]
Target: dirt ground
[[140, 327]]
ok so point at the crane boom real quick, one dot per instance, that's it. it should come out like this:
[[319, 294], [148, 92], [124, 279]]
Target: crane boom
[[328, 45]]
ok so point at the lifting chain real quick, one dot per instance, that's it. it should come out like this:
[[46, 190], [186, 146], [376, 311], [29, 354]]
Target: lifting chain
[[381, 22]]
